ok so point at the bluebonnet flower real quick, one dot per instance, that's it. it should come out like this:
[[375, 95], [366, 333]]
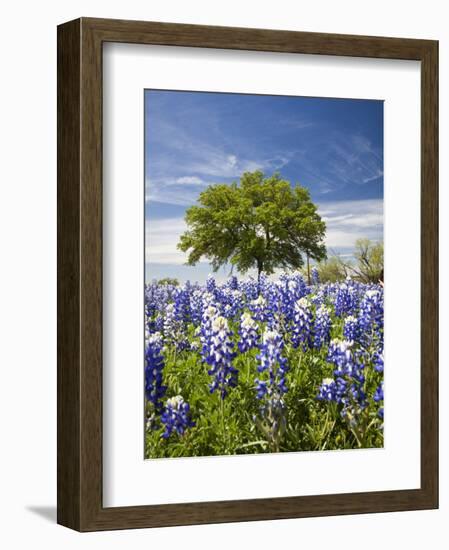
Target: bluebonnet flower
[[233, 283], [351, 330], [211, 285], [173, 329], [182, 309], [291, 288], [156, 297], [379, 396], [339, 354], [209, 314], [232, 301], [378, 360], [345, 299], [270, 391], [217, 352], [170, 324], [271, 359], [258, 308], [196, 306], [249, 337], [322, 327], [348, 386], [318, 298], [273, 298], [327, 390], [250, 289], [371, 315], [332, 390], [315, 276], [176, 416], [379, 393], [302, 324], [154, 366]]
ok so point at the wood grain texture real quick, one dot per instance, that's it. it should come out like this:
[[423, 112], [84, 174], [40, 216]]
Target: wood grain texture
[[68, 384], [80, 274]]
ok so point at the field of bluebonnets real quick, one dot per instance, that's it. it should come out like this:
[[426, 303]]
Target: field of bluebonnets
[[269, 366]]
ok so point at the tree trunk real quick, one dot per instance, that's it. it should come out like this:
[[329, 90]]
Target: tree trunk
[[308, 268]]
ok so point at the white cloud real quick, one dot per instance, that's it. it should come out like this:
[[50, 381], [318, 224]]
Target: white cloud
[[232, 160], [352, 159], [347, 221], [189, 180], [161, 239], [204, 162]]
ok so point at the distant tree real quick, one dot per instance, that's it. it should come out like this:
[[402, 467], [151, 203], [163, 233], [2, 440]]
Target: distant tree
[[332, 270], [169, 281], [261, 222], [366, 266], [370, 260]]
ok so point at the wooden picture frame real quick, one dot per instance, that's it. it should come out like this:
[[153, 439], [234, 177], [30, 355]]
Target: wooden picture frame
[[80, 504]]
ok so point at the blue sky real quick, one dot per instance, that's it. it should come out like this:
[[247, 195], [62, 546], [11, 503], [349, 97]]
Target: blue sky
[[334, 147]]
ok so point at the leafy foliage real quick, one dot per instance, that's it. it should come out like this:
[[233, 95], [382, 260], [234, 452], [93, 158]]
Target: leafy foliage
[[262, 222]]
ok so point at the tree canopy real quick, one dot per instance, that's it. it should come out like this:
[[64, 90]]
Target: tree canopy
[[261, 222]]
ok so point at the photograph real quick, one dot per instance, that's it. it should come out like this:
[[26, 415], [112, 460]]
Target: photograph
[[264, 274]]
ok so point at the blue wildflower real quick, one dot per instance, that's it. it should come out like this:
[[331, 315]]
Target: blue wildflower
[[196, 306], [211, 285], [233, 283], [378, 397], [182, 308], [322, 327], [218, 352], [345, 299], [378, 360], [351, 330], [271, 360], [291, 289], [371, 316], [258, 308], [339, 354], [272, 420], [174, 329], [379, 393], [302, 324], [249, 337], [154, 366], [176, 416], [332, 390], [348, 386]]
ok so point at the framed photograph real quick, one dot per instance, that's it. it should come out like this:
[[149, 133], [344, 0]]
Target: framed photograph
[[247, 274]]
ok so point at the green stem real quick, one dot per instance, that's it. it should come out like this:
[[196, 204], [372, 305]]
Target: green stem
[[248, 368], [223, 429]]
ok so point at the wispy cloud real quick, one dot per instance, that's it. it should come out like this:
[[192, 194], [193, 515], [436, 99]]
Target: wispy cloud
[[347, 221], [161, 239], [189, 180], [184, 152], [352, 159]]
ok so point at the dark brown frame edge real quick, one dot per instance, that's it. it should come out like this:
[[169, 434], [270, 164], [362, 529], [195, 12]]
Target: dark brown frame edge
[[80, 274]]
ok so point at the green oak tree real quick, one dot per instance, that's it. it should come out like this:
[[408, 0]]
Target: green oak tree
[[260, 222]]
